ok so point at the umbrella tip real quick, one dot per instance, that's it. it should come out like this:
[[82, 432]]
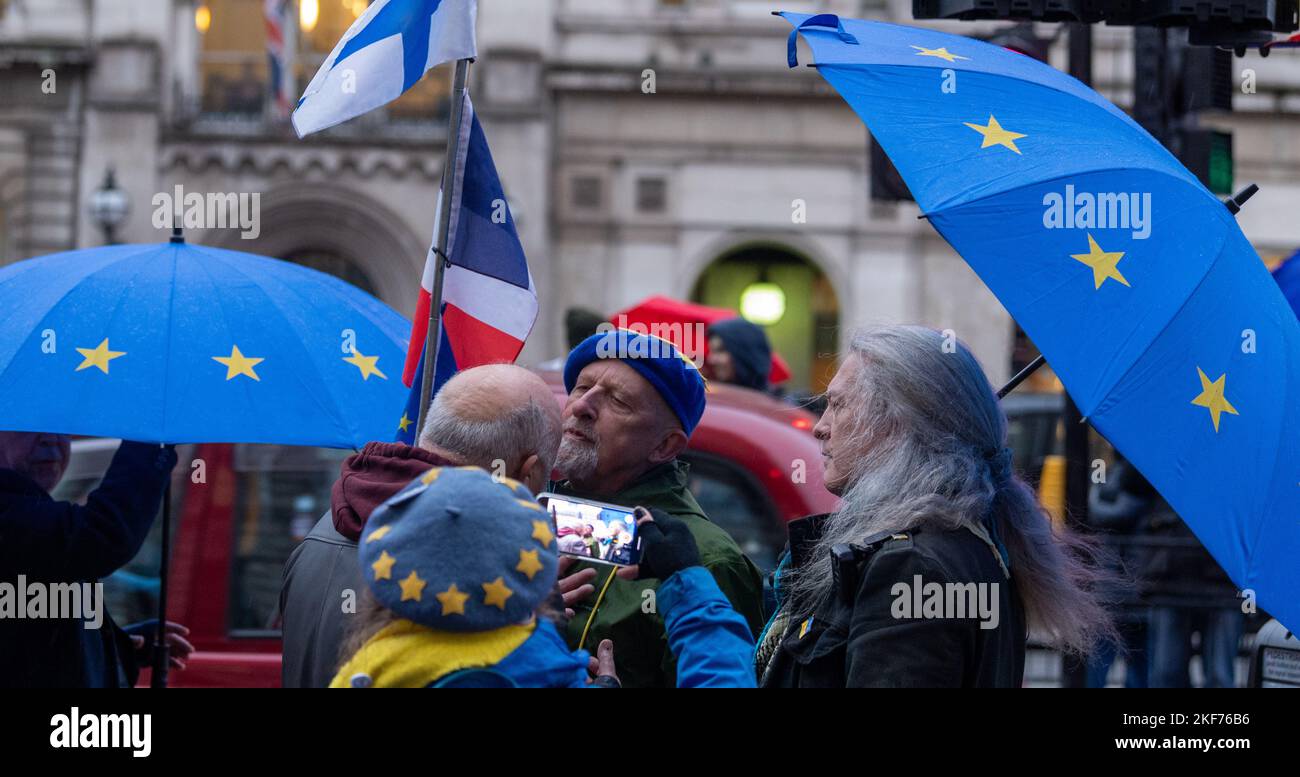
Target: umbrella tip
[[177, 235], [1237, 200]]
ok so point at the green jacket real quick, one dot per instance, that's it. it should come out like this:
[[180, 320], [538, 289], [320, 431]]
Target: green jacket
[[640, 643]]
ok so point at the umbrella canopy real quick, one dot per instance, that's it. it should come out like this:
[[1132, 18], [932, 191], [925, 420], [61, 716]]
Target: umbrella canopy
[[666, 310], [1287, 275], [178, 343], [1131, 277]]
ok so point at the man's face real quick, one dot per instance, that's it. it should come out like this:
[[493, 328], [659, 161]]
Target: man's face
[[841, 446], [718, 364], [41, 457], [612, 424]]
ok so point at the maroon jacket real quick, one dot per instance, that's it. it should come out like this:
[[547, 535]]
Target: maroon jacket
[[323, 568], [368, 478]]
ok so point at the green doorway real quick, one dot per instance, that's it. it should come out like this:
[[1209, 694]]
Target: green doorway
[[789, 296]]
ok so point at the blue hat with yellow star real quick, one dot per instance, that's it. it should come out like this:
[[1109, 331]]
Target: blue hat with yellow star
[[457, 550]]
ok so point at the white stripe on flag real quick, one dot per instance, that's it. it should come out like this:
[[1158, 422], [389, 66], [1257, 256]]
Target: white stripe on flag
[[362, 83], [368, 79], [496, 303]]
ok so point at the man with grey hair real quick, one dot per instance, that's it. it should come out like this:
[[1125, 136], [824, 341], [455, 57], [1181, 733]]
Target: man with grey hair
[[633, 403], [499, 417]]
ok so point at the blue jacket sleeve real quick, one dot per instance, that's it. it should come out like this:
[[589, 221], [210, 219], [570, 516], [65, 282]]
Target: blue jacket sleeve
[[712, 643], [65, 541]]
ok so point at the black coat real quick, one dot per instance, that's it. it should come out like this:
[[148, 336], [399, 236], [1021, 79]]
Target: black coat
[[860, 636], [316, 577], [49, 542]]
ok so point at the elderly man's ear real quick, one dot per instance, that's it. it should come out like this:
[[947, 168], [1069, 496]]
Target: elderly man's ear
[[530, 474], [673, 443]]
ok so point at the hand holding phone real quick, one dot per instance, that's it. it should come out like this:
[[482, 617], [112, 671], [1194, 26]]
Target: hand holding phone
[[667, 545]]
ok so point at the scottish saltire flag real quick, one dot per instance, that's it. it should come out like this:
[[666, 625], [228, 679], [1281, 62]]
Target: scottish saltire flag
[[489, 302], [384, 53], [278, 58]]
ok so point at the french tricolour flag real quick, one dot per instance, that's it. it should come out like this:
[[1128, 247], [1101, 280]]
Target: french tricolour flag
[[489, 302], [384, 53]]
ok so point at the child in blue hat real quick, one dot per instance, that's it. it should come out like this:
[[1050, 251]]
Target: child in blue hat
[[462, 568]]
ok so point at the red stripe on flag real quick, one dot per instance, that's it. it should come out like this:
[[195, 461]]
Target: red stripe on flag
[[475, 342], [419, 328]]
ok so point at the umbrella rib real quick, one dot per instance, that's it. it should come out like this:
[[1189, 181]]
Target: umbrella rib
[[920, 66], [117, 307], [946, 207], [1181, 307], [171, 311], [329, 411], [1278, 477]]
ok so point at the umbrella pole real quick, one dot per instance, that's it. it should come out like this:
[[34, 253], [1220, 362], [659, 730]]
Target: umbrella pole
[[1019, 378], [433, 336], [158, 679]]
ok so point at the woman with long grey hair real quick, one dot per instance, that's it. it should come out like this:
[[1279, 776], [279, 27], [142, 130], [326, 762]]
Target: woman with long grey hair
[[939, 559]]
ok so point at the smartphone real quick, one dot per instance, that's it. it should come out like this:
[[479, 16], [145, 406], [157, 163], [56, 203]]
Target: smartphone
[[595, 531]]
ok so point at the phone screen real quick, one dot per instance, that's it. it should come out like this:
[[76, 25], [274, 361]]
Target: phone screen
[[594, 530]]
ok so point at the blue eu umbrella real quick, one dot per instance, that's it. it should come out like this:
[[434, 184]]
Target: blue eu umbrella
[[176, 343], [1130, 276], [1287, 275], [179, 343]]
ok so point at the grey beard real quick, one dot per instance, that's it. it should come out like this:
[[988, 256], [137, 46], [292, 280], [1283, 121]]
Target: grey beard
[[576, 460]]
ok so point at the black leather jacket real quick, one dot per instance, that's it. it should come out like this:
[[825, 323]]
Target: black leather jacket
[[869, 631]]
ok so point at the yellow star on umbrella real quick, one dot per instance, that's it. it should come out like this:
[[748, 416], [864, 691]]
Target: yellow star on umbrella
[[383, 567], [99, 356], [542, 532], [378, 534], [1212, 398], [412, 587], [239, 364], [452, 600], [529, 564], [366, 364], [1104, 264], [404, 424], [941, 53], [995, 135], [496, 592], [531, 505]]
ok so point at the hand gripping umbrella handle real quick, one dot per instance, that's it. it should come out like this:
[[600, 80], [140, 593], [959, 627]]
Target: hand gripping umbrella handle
[[820, 20]]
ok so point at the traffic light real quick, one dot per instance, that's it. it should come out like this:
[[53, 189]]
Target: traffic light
[[1021, 39], [1236, 24], [1173, 83], [1208, 154], [1037, 10], [1206, 79]]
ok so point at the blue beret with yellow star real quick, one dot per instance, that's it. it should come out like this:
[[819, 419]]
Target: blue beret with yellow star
[[459, 550]]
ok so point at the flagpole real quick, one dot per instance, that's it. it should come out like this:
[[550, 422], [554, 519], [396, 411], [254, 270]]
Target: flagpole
[[433, 336]]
